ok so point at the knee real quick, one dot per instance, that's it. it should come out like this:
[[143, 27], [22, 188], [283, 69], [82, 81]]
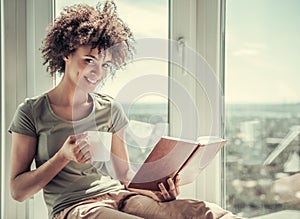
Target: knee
[[189, 209]]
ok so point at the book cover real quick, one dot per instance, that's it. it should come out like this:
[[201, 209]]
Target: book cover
[[172, 156]]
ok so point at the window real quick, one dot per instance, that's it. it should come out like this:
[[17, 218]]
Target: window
[[262, 107], [194, 21], [146, 104]]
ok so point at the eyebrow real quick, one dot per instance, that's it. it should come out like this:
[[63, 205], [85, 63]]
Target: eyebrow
[[91, 56], [94, 57]]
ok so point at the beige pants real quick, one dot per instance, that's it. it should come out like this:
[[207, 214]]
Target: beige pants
[[124, 204]]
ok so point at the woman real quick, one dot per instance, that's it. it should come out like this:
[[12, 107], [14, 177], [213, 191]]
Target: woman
[[85, 44]]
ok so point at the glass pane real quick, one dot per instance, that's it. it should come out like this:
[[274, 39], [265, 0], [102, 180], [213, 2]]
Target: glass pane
[[263, 108], [142, 87]]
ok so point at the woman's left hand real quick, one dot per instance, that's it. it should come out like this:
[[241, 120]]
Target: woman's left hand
[[163, 195], [172, 193]]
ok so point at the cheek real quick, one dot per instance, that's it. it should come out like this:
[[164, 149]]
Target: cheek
[[79, 71]]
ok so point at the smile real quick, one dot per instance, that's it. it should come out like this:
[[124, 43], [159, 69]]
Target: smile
[[90, 80]]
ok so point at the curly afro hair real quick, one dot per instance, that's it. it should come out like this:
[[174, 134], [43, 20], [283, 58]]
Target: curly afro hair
[[80, 25]]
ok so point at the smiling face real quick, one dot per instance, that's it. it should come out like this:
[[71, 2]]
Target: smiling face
[[81, 24], [86, 68]]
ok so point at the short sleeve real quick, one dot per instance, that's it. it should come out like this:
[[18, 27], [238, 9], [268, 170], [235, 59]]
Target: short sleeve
[[119, 118], [23, 121]]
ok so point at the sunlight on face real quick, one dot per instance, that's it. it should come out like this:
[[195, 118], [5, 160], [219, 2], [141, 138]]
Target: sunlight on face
[[87, 68]]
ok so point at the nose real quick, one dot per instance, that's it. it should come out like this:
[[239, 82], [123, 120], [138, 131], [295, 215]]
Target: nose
[[97, 70]]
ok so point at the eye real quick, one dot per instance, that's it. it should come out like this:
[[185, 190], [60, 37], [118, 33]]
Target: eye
[[89, 60], [106, 65]]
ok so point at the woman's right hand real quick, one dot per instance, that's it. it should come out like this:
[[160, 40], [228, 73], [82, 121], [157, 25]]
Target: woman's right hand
[[76, 148], [25, 182]]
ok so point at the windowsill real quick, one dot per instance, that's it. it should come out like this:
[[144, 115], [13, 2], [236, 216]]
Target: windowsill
[[290, 214]]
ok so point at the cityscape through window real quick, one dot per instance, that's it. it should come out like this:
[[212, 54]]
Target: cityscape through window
[[262, 107]]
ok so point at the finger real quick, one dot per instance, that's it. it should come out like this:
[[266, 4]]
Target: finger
[[85, 147], [82, 144], [171, 184], [75, 149], [72, 139], [80, 151], [177, 181], [87, 158], [172, 188], [81, 136], [83, 157], [164, 191], [85, 151]]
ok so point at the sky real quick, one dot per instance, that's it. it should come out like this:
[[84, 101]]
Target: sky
[[148, 18], [262, 51], [261, 42]]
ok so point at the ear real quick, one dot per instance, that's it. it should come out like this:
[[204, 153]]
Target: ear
[[66, 59]]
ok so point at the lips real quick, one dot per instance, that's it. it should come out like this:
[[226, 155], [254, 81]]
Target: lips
[[91, 81]]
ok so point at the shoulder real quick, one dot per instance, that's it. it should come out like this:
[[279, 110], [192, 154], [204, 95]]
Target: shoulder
[[104, 99], [117, 115], [24, 120], [33, 102]]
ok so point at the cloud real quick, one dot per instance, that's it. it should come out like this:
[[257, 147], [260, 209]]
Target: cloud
[[248, 49], [245, 52]]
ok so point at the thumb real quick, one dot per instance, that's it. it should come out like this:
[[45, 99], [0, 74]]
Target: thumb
[[72, 139]]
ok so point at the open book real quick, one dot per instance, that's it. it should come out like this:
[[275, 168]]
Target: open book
[[172, 156]]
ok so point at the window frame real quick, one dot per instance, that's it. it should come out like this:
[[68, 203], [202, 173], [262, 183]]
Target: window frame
[[22, 25], [13, 42], [199, 23], [1, 104]]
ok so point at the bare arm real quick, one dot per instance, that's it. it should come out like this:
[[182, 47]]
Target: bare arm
[[25, 182]]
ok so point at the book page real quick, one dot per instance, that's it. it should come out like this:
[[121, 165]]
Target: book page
[[200, 159]]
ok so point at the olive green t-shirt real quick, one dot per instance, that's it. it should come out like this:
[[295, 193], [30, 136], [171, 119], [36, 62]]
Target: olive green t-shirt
[[75, 182]]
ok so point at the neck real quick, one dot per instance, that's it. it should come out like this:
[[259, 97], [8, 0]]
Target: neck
[[68, 95]]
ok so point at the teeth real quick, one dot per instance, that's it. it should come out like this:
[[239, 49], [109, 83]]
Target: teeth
[[91, 81]]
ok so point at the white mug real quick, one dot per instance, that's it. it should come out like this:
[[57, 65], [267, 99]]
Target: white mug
[[101, 145]]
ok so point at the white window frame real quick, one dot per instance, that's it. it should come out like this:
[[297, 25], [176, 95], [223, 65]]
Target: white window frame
[[23, 27], [23, 75], [198, 22], [2, 115]]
